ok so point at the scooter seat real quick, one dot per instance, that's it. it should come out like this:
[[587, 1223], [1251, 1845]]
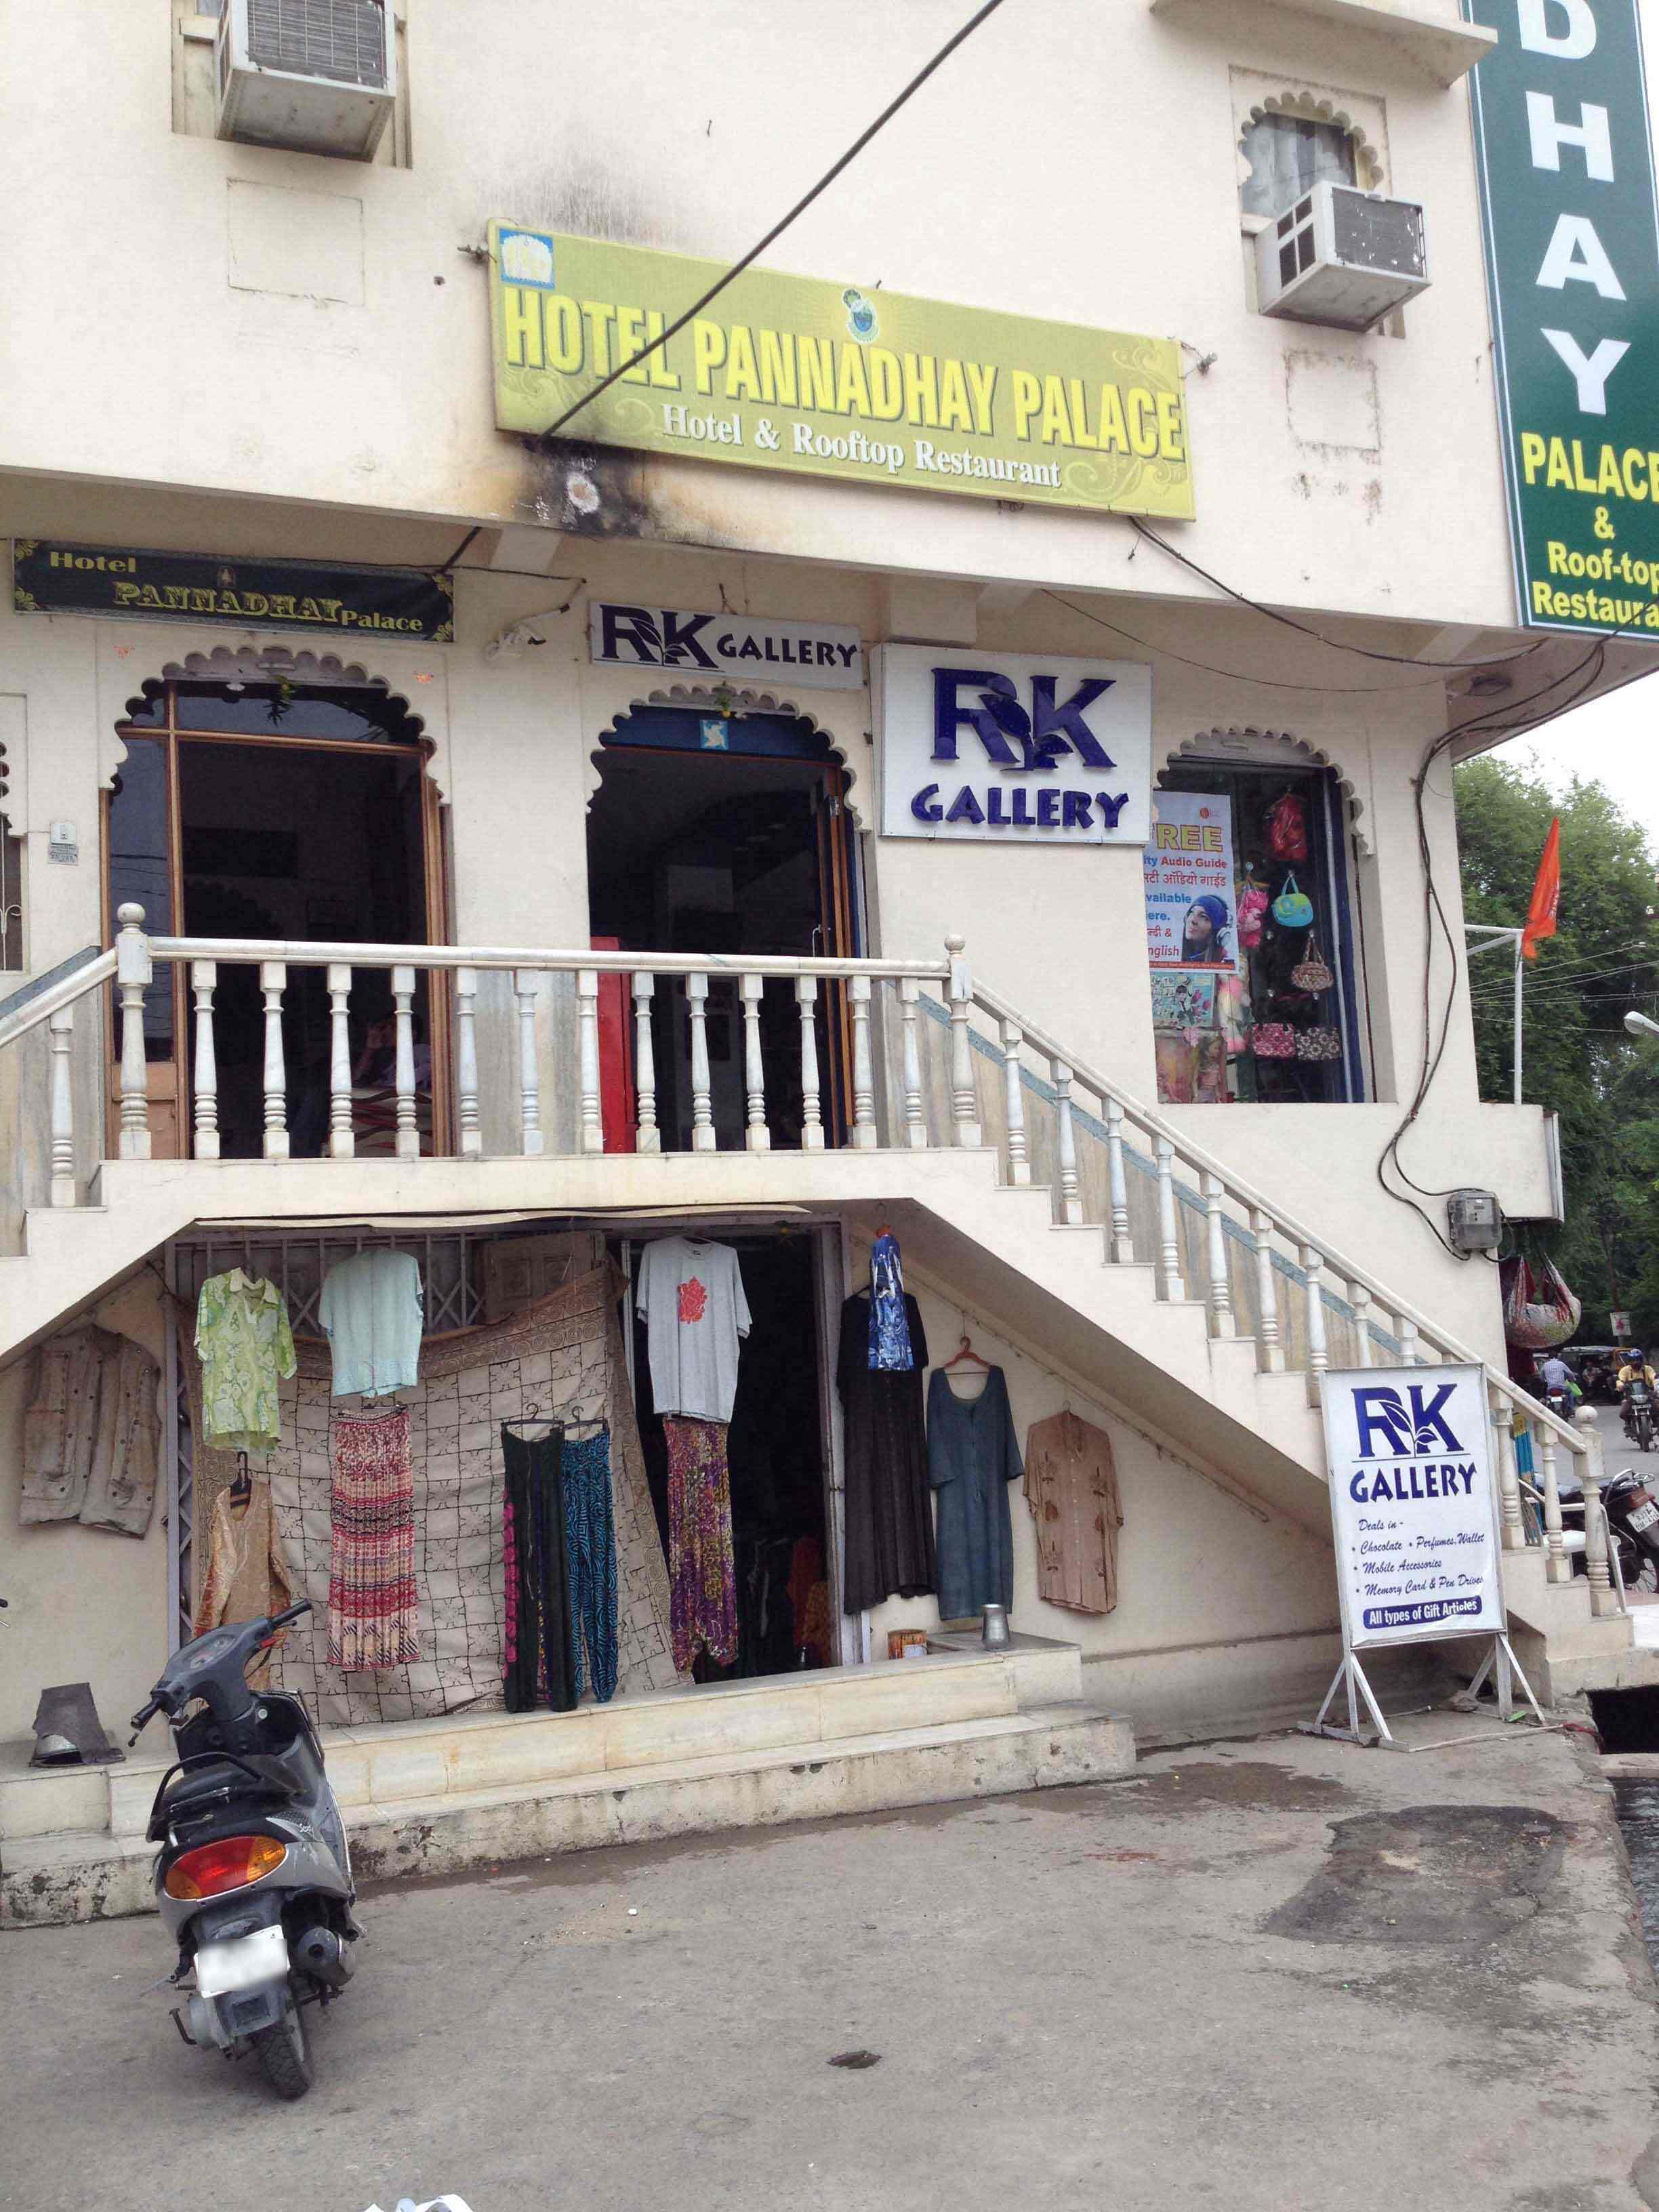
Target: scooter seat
[[208, 1783]]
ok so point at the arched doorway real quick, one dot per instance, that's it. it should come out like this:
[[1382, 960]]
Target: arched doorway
[[281, 809], [725, 833]]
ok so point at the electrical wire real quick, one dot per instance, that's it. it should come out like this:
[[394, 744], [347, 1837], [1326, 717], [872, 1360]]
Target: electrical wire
[[1237, 676], [1552, 980], [780, 226], [1336, 644]]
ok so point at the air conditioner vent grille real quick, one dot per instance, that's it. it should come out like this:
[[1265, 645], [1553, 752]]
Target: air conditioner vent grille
[[1377, 233], [342, 39]]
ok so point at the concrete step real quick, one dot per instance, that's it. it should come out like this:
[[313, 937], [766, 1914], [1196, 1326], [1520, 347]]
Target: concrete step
[[70, 1876]]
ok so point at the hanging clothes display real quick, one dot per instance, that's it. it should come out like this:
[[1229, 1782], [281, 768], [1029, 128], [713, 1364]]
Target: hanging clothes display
[[590, 1534], [92, 1435], [539, 1651], [372, 1310], [371, 1576], [246, 1346], [973, 1455], [890, 1522], [691, 1300], [1071, 1488], [246, 1574], [889, 1332], [703, 1582]]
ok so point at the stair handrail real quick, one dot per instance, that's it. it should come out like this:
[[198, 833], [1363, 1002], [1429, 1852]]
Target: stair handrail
[[90, 977], [307, 952], [1209, 1169]]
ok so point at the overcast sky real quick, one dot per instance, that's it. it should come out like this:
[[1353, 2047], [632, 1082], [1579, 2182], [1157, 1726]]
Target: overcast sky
[[1615, 741]]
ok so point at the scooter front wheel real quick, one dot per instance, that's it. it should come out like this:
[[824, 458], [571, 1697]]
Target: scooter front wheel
[[283, 2050]]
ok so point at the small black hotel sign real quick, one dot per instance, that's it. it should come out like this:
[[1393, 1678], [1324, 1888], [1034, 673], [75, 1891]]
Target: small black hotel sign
[[52, 577]]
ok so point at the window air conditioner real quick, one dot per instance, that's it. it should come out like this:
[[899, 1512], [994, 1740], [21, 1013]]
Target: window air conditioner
[[1341, 256], [319, 76]]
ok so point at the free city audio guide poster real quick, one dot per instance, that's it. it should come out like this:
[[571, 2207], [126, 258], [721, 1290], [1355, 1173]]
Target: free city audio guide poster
[[1413, 1507]]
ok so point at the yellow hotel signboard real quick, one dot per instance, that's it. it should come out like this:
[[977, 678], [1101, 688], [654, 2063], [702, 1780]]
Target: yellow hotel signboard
[[820, 379]]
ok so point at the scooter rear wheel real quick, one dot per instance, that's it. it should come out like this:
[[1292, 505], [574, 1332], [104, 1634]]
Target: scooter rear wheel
[[283, 2050]]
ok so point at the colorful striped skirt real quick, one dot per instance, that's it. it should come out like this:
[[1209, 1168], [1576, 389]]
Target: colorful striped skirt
[[371, 1575]]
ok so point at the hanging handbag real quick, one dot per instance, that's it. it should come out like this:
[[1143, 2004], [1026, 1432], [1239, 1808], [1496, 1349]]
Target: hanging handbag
[[1540, 1311], [1252, 916], [1273, 1041], [1319, 1043], [1287, 829], [1312, 972], [1292, 908]]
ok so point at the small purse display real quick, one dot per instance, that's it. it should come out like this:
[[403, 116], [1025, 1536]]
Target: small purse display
[[1252, 916], [1319, 1043], [1312, 972], [1274, 1040], [1292, 909], [1287, 829]]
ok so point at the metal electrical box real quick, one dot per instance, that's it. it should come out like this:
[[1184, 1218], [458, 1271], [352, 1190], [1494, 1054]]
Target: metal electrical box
[[1342, 257], [1475, 1220], [319, 76]]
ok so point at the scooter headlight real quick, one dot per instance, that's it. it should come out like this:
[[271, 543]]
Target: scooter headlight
[[231, 1863]]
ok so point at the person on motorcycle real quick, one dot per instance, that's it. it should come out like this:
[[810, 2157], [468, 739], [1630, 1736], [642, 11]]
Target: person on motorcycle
[[1635, 1368], [1556, 1374]]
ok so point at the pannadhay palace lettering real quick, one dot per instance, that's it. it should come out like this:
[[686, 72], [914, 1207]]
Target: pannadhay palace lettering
[[52, 577]]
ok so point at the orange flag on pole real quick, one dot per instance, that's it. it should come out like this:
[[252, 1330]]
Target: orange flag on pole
[[1545, 894]]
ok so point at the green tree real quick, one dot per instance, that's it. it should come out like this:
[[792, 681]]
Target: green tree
[[1577, 1057]]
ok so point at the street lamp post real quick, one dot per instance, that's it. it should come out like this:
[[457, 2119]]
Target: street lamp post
[[1639, 1025]]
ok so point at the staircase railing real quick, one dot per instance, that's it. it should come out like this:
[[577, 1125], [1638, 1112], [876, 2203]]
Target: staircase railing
[[1256, 1267]]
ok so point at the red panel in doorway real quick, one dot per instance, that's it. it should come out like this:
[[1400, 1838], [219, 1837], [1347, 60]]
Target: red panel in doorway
[[616, 1101]]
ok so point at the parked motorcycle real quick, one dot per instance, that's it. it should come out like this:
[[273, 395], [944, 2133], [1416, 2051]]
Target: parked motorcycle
[[1633, 1528], [1638, 1415], [253, 1877]]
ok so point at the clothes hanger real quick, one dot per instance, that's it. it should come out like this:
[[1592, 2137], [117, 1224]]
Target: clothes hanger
[[962, 1355], [241, 1487]]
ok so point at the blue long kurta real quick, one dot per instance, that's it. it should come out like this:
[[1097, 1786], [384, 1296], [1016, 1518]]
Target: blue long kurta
[[972, 1457]]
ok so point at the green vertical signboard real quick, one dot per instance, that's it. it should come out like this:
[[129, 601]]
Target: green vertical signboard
[[1572, 230]]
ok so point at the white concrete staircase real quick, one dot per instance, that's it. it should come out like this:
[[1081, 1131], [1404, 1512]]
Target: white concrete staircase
[[435, 1797]]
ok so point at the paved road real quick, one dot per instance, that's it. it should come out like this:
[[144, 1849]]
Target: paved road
[[1618, 1452], [1269, 1978]]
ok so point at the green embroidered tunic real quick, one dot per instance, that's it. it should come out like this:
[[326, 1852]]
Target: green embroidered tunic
[[245, 1345]]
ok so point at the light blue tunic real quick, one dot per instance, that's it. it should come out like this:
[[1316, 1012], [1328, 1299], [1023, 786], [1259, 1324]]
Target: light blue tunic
[[372, 1309], [973, 1454]]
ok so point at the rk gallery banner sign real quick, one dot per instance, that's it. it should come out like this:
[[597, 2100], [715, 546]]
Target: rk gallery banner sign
[[1413, 1502], [51, 578], [1013, 747], [823, 655], [820, 379], [1571, 231]]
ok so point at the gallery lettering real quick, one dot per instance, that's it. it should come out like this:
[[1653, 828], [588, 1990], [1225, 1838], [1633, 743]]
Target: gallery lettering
[[1403, 1483]]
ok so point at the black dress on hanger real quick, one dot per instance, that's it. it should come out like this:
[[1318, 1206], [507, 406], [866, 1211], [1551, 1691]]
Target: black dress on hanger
[[541, 1644], [890, 1515]]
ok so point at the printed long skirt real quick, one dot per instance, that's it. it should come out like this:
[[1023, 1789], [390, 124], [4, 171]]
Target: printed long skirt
[[371, 1575], [703, 1598]]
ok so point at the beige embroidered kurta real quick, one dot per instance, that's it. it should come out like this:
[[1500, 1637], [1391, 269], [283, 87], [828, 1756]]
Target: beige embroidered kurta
[[1071, 1487], [247, 1576]]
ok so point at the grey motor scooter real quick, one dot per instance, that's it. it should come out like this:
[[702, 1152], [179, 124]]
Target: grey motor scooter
[[253, 1877]]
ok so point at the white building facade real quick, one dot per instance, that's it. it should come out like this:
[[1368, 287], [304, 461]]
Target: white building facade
[[665, 925]]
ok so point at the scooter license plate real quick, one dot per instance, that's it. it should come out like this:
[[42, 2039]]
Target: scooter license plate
[[224, 1968], [1644, 1517]]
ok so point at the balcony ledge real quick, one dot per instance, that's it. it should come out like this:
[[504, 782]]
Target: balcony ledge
[[1447, 49]]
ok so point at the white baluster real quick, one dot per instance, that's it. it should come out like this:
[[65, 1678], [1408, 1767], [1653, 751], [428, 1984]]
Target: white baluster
[[1269, 1345], [1071, 1200], [1360, 1299], [1604, 1599], [342, 1142], [588, 1058], [1171, 1285], [864, 1082], [1410, 1353], [1509, 1485], [648, 1137], [757, 1136], [531, 1142], [203, 974], [133, 971], [60, 1038], [915, 1113], [1558, 1567], [703, 1136], [964, 1097], [403, 1000], [1221, 1289], [273, 980], [1319, 1357], [811, 1119], [466, 1062], [1019, 1163], [1122, 1245]]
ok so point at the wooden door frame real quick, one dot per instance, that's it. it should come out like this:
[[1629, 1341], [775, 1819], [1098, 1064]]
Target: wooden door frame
[[435, 890]]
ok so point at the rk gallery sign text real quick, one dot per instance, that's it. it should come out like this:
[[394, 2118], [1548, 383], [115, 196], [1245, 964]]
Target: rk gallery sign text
[[820, 379], [1572, 230]]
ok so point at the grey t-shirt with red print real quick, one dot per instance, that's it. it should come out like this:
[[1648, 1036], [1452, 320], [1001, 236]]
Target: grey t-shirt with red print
[[691, 1301]]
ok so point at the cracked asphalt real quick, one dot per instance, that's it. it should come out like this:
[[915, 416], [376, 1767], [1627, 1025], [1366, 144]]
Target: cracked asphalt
[[1261, 1976]]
